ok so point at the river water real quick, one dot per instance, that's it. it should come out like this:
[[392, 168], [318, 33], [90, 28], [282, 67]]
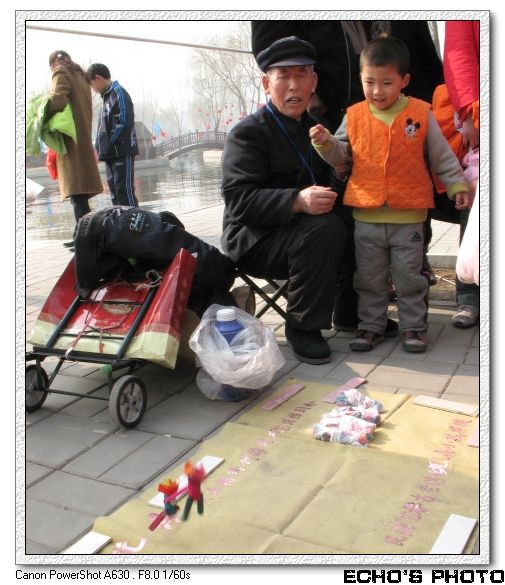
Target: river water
[[185, 184]]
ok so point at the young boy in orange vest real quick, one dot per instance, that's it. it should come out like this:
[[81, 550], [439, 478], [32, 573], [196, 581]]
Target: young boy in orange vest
[[390, 144]]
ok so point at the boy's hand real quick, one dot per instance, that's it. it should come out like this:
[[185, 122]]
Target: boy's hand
[[462, 200], [318, 134]]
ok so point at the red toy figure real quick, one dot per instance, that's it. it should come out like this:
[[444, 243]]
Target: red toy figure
[[168, 488], [195, 476]]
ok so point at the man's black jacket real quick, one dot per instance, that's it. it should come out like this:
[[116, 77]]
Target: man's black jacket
[[262, 174]]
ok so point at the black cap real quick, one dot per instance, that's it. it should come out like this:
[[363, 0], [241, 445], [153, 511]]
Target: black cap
[[285, 53]]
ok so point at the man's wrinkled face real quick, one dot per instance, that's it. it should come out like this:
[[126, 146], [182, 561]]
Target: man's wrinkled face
[[290, 88]]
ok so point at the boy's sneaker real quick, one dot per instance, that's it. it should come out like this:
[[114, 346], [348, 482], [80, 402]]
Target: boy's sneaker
[[414, 342], [391, 327], [365, 340], [466, 316], [308, 346]]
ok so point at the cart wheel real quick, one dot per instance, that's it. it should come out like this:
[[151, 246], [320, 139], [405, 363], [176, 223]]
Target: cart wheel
[[127, 401], [34, 395]]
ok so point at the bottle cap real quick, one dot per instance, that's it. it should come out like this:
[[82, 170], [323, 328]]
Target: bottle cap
[[226, 314]]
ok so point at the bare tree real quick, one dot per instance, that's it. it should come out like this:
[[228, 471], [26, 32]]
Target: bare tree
[[224, 79], [173, 115]]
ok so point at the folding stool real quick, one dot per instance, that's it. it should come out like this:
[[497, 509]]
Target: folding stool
[[279, 288]]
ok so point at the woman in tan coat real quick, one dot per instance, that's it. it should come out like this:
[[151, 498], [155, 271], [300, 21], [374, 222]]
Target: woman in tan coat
[[78, 176]]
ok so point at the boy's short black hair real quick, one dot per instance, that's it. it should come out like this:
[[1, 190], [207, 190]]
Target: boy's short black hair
[[386, 51], [97, 69]]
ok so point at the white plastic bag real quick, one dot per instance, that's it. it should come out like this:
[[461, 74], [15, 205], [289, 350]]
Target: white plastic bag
[[218, 391], [249, 361], [467, 263]]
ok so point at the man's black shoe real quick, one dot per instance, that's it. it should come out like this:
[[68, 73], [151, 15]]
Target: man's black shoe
[[69, 244], [308, 346]]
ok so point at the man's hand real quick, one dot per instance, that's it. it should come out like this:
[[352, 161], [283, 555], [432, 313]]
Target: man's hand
[[318, 134], [314, 200], [462, 200]]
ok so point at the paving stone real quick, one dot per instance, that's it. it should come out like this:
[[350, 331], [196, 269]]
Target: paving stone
[[473, 357], [143, 465], [465, 381], [434, 331], [59, 439], [96, 373], [476, 339], [380, 388], [35, 548], [34, 473], [74, 384], [32, 418], [411, 375], [453, 336], [287, 369], [63, 490], [88, 371], [418, 392], [90, 407], [340, 343], [441, 316], [304, 370], [53, 527], [438, 352], [286, 351], [167, 380], [406, 364], [467, 398], [106, 454], [56, 402], [189, 417], [354, 365]]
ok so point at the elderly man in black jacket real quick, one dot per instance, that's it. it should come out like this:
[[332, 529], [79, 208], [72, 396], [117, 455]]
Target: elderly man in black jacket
[[338, 44], [279, 220]]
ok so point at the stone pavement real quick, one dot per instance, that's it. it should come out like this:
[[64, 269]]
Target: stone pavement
[[80, 465]]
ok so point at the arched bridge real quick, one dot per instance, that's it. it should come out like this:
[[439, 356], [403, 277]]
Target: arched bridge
[[173, 147]]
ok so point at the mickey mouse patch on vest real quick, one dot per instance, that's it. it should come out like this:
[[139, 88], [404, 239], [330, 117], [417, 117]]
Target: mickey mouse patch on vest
[[411, 127]]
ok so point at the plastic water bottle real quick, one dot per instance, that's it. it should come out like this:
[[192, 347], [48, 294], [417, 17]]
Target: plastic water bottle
[[227, 324]]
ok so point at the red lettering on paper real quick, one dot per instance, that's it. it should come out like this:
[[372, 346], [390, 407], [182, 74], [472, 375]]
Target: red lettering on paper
[[404, 529], [395, 540]]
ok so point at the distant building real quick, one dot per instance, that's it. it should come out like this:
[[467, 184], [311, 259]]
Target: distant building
[[144, 139]]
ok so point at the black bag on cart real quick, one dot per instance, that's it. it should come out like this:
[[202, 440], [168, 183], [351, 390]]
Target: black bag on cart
[[115, 238]]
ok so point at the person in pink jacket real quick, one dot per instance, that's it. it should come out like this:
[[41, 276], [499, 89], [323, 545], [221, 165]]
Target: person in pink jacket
[[461, 74]]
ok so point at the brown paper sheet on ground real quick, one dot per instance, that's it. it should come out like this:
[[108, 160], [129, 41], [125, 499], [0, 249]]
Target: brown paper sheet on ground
[[313, 392], [290, 490], [371, 500], [429, 433]]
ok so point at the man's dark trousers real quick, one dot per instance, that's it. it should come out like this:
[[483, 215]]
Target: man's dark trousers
[[308, 252]]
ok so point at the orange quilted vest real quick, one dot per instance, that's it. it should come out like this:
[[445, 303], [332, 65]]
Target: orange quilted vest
[[388, 161]]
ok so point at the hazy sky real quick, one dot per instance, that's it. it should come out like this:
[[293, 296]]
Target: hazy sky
[[142, 68]]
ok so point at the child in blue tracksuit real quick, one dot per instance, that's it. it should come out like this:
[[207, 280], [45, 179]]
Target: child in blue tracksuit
[[116, 142]]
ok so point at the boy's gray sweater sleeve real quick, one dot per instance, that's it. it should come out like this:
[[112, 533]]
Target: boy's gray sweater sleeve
[[336, 151], [442, 160]]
